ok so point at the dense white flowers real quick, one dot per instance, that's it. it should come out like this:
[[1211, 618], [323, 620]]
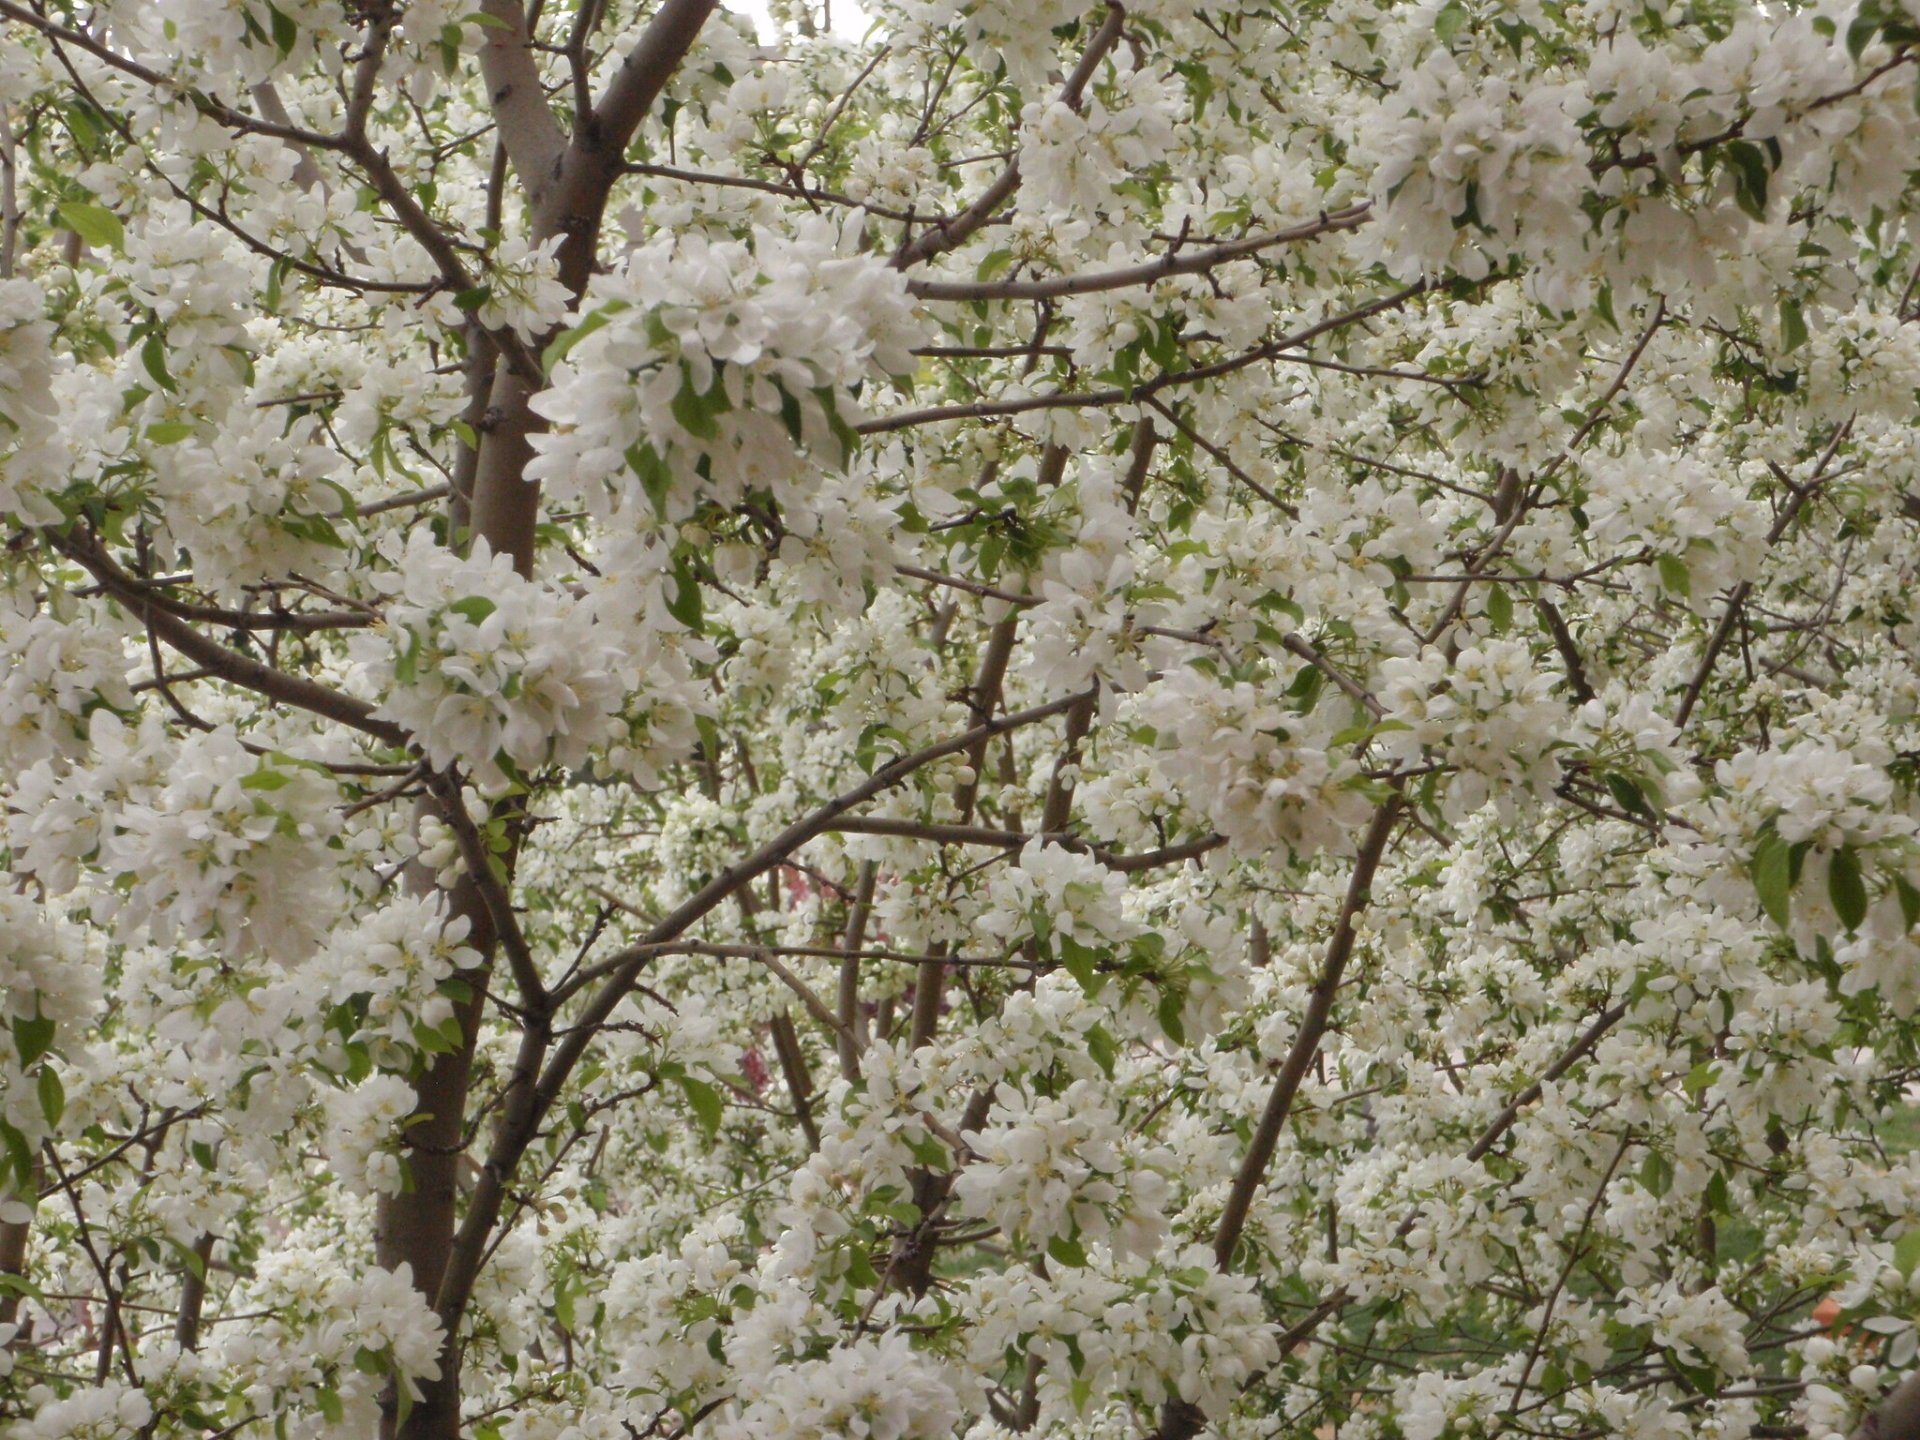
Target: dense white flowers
[[867, 1390], [705, 368], [1176, 721], [486, 667], [1264, 776], [32, 448]]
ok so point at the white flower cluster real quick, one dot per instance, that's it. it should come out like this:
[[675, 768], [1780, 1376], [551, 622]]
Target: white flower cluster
[[1814, 791], [1469, 169], [1490, 711], [1049, 1167], [870, 1389], [365, 1137], [661, 1319], [112, 1410], [250, 498], [1064, 892], [1071, 159], [333, 1328], [1119, 1326], [524, 292], [1703, 1327], [59, 662], [1262, 774], [482, 665], [44, 989], [33, 456], [1680, 507], [204, 838], [395, 960], [704, 367]]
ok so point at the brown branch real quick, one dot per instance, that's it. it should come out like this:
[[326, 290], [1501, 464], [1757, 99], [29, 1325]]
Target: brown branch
[[946, 234], [217, 659], [1167, 266], [530, 135], [536, 1080], [1313, 1025], [1087, 399], [853, 1030]]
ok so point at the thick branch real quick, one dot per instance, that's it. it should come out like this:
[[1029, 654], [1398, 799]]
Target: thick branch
[[527, 129]]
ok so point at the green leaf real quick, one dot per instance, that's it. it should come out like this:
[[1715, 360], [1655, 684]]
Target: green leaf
[[1751, 176], [1172, 1002], [686, 604], [153, 355], [1079, 962], [655, 478], [1448, 24], [285, 32], [471, 300], [1772, 871], [696, 412], [1657, 1174], [707, 1106], [1861, 32], [169, 432], [1906, 1253], [1674, 575], [1627, 795], [1499, 609], [330, 1406], [1793, 325], [1101, 1046], [1909, 900], [95, 224], [53, 1095], [476, 608], [564, 342], [1603, 307], [32, 1037], [1846, 888], [1068, 1252], [1700, 1077]]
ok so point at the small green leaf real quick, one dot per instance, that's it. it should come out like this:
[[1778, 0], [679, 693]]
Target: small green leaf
[[707, 1106], [1909, 900], [1101, 1046], [1448, 24], [1793, 325], [475, 608], [330, 1406], [285, 32], [1772, 871], [53, 1095], [1172, 1002], [1906, 1253], [1674, 575], [1846, 888], [32, 1037], [96, 225], [153, 355], [1751, 176], [1499, 609], [686, 604], [1068, 1252], [169, 432]]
